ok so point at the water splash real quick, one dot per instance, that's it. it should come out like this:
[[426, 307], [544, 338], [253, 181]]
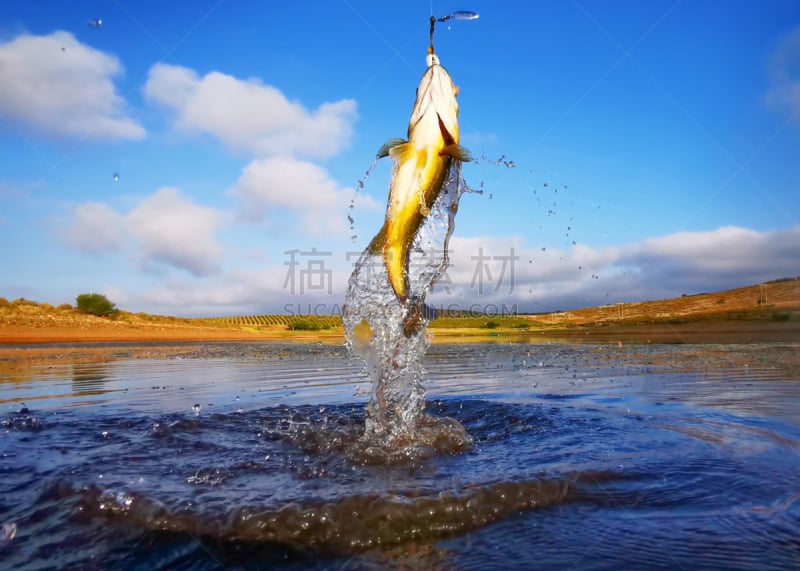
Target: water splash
[[359, 187], [391, 336]]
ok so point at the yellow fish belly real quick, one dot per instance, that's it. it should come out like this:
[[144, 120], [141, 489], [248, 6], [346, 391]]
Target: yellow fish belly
[[416, 186]]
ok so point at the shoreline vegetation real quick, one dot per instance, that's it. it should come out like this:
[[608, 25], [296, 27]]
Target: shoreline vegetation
[[768, 312]]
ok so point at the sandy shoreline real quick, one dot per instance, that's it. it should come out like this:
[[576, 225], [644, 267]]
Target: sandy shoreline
[[27, 352], [30, 341], [28, 335], [11, 335]]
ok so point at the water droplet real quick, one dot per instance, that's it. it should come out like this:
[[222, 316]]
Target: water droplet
[[105, 433], [196, 408], [124, 500], [9, 531], [116, 176], [95, 23]]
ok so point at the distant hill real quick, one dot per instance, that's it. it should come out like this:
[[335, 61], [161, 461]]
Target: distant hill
[[776, 301], [25, 321]]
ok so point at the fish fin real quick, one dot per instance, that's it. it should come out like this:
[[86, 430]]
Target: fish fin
[[388, 146], [457, 152], [402, 152]]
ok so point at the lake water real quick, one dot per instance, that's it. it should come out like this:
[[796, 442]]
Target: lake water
[[237, 456]]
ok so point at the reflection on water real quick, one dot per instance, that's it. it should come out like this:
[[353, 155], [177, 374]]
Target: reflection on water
[[89, 378], [584, 456]]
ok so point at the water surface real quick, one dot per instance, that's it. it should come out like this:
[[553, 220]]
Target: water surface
[[237, 456]]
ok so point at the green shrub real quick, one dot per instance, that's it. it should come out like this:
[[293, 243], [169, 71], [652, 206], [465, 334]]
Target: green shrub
[[95, 304], [306, 325], [492, 325]]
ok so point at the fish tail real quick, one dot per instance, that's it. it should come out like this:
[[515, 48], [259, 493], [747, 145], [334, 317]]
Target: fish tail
[[394, 254], [394, 257]]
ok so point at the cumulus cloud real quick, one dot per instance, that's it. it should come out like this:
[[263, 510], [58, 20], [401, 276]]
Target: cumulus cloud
[[704, 261], [249, 115], [176, 231], [166, 228], [304, 188], [240, 292], [96, 228], [505, 274], [784, 72], [57, 86], [496, 271]]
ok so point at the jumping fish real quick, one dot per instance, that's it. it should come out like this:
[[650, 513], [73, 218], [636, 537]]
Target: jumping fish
[[421, 166]]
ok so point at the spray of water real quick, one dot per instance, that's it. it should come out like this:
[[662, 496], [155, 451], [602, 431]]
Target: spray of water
[[391, 337]]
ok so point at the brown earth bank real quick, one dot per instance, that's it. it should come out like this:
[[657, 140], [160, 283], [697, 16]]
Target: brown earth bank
[[764, 312]]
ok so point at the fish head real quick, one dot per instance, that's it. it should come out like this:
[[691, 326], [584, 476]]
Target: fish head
[[436, 106]]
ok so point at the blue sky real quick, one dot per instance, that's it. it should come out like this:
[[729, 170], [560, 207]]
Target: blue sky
[[656, 148]]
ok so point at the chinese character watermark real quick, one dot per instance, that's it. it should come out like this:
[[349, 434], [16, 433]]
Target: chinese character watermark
[[307, 270], [484, 273], [313, 277]]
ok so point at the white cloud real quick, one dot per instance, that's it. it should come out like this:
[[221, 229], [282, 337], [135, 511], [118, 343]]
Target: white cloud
[[249, 115], [164, 229], [241, 292], [280, 185], [176, 231], [654, 268], [96, 228], [784, 72], [554, 279], [298, 186], [60, 87]]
